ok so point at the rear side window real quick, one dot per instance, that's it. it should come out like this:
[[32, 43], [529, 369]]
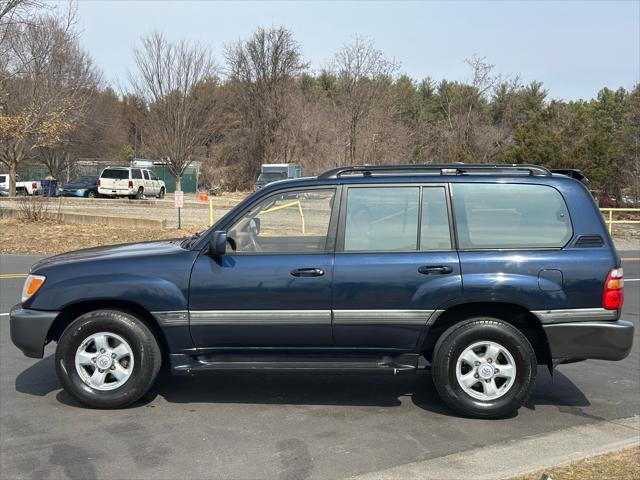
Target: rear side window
[[115, 174], [3, 178], [434, 225], [135, 173], [382, 219], [510, 216]]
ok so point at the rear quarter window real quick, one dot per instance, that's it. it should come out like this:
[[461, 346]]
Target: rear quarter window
[[115, 174], [520, 216]]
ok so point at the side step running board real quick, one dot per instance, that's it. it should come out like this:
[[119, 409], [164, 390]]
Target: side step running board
[[396, 365]]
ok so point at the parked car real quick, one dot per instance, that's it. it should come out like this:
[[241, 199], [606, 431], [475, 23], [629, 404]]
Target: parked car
[[485, 271], [83, 186], [130, 182], [22, 188], [272, 172], [608, 201]]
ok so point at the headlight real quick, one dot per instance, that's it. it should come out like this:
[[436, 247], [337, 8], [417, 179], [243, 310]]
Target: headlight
[[31, 286]]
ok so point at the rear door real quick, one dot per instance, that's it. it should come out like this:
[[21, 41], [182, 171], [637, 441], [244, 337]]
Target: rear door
[[395, 265]]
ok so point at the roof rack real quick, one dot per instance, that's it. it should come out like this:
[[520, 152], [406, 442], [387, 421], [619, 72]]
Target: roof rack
[[441, 168]]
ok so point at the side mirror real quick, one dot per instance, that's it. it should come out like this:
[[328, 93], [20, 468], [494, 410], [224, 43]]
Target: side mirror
[[218, 243]]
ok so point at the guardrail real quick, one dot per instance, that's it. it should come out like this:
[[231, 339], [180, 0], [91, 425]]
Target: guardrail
[[610, 221]]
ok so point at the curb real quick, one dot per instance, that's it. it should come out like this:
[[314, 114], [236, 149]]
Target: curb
[[519, 457]]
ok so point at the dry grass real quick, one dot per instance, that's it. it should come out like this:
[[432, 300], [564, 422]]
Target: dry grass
[[50, 238], [622, 465]]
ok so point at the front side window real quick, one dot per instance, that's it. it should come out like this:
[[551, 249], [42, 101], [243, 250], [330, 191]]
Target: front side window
[[288, 222], [382, 219], [510, 216], [146, 174]]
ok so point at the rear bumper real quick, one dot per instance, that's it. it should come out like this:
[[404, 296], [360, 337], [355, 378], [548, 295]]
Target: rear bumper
[[29, 329], [610, 340]]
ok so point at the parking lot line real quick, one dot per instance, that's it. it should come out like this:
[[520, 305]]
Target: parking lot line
[[631, 259], [13, 275]]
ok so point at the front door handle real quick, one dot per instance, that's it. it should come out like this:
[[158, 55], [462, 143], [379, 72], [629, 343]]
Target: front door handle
[[307, 272], [435, 269]]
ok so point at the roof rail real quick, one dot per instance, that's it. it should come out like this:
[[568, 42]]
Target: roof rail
[[441, 168]]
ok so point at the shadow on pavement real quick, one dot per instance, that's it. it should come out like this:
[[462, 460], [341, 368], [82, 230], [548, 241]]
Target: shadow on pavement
[[300, 389]]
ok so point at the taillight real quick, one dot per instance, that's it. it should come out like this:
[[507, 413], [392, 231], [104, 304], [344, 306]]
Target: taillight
[[34, 185], [613, 295], [130, 183], [98, 182]]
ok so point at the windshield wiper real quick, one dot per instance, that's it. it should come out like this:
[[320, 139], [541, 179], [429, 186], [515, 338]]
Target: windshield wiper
[[188, 242]]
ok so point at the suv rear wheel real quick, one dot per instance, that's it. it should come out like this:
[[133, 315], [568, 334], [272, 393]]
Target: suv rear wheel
[[107, 359], [484, 368], [140, 193]]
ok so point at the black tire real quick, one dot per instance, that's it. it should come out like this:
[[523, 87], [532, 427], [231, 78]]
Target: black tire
[[452, 344], [139, 194], [91, 194], [161, 194], [147, 358]]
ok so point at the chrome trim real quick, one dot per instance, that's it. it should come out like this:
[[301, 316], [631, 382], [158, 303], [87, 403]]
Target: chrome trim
[[172, 319], [260, 317], [575, 315], [395, 317]]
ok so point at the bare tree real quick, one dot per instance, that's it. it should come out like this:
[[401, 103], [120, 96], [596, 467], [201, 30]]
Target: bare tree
[[261, 71], [169, 78], [47, 93], [363, 76]]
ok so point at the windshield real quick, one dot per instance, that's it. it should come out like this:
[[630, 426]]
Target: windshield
[[271, 176], [85, 179], [115, 173]]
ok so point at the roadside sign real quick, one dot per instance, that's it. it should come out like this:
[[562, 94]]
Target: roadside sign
[[179, 199]]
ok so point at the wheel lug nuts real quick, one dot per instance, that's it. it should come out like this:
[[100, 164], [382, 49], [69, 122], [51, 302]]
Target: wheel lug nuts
[[102, 350], [476, 363], [113, 355], [489, 360], [487, 380], [113, 367], [93, 359], [100, 370], [496, 371], [475, 375]]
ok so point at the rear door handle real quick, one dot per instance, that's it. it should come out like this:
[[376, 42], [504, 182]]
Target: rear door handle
[[435, 269], [307, 272]]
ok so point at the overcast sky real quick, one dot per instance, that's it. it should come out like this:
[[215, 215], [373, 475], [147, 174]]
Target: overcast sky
[[575, 48]]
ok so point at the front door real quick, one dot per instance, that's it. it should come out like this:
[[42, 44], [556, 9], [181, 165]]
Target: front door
[[273, 286], [395, 265]]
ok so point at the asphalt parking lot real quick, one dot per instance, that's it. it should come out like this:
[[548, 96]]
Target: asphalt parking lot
[[273, 425]]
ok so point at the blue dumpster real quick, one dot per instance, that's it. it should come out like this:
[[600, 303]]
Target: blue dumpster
[[49, 188]]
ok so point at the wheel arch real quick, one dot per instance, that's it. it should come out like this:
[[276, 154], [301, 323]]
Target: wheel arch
[[514, 314], [73, 311]]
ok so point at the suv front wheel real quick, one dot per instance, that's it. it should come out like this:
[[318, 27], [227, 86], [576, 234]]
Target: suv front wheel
[[484, 368], [107, 359]]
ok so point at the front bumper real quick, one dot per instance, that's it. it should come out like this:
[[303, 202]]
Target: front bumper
[[29, 329], [581, 340]]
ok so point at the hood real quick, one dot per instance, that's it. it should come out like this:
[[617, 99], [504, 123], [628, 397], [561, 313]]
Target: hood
[[136, 250]]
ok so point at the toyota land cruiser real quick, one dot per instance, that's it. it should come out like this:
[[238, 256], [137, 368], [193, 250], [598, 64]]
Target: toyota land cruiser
[[484, 271]]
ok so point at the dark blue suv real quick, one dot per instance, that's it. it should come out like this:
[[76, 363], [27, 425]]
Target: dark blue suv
[[485, 271]]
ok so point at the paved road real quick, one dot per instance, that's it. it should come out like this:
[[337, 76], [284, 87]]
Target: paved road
[[276, 426]]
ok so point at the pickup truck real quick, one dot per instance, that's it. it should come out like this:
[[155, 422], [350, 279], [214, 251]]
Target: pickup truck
[[22, 188]]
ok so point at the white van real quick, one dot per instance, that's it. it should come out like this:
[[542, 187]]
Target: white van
[[130, 182]]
